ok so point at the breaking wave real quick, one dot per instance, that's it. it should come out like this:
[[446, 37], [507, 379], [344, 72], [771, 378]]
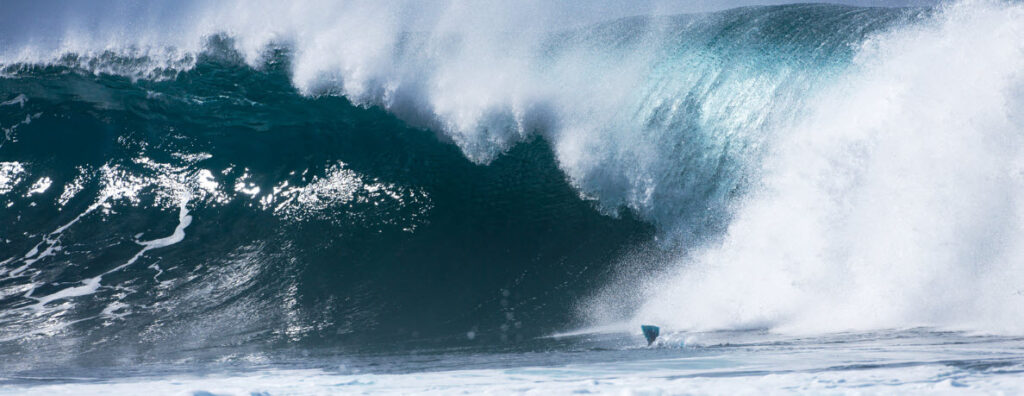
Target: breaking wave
[[281, 174]]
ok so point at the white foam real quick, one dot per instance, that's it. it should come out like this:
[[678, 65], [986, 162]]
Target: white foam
[[40, 186], [88, 286], [488, 75], [18, 100], [847, 371], [51, 241], [184, 220], [244, 186], [898, 203], [72, 188], [11, 173], [115, 310], [91, 285]]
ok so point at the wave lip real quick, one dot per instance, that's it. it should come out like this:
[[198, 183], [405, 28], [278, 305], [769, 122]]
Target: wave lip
[[661, 115]]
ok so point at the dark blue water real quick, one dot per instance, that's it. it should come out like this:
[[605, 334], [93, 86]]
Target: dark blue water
[[163, 216], [459, 246]]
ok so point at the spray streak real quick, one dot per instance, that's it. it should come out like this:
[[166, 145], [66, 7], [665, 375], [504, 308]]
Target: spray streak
[[89, 286], [897, 203]]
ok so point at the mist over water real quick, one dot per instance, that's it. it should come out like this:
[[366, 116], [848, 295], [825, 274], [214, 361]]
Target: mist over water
[[894, 203]]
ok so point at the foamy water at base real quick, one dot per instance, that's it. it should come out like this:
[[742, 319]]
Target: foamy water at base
[[915, 361]]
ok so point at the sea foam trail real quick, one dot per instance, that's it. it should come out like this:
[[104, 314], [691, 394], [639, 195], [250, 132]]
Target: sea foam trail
[[898, 203], [91, 285]]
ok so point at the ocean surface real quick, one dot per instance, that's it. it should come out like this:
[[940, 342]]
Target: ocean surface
[[424, 197]]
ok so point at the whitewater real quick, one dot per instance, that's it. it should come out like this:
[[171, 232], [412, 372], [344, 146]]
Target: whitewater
[[442, 197]]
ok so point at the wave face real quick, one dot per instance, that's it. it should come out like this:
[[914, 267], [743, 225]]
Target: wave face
[[359, 173], [221, 207]]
